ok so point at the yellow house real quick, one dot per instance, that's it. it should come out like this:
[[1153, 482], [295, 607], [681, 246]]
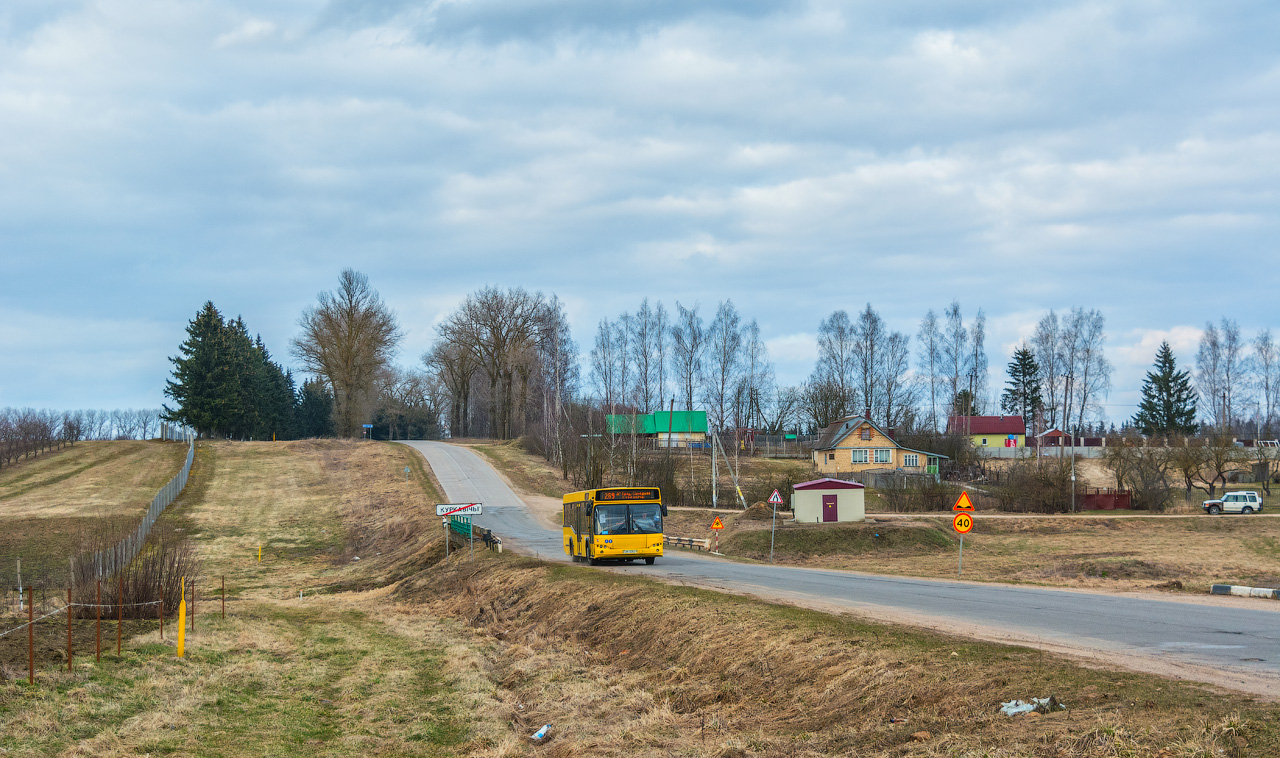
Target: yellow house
[[990, 431], [854, 444]]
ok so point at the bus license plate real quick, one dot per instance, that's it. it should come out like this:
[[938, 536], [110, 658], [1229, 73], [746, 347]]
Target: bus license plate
[[624, 552]]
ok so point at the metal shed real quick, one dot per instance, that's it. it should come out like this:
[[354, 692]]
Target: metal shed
[[828, 500]]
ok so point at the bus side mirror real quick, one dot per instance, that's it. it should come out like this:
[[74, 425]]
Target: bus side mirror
[[664, 510]]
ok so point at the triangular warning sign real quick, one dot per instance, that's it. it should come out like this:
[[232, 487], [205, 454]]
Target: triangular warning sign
[[717, 524], [775, 498], [963, 503]]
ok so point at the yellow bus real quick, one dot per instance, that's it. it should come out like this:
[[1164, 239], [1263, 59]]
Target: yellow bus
[[614, 523]]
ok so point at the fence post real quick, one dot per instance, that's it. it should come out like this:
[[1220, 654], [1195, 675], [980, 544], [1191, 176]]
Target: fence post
[[97, 602], [182, 615], [31, 634], [193, 605], [120, 618], [69, 651], [224, 596]]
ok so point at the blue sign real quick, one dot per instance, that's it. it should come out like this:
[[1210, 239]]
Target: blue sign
[[368, 426]]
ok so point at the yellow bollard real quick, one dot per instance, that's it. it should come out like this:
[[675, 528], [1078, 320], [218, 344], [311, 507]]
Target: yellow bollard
[[259, 552], [182, 619]]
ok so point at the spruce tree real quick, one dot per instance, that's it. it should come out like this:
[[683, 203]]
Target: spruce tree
[[1168, 400], [200, 375], [315, 410], [225, 384], [1021, 396]]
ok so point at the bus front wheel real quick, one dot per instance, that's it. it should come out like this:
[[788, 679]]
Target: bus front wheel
[[592, 561], [649, 561]]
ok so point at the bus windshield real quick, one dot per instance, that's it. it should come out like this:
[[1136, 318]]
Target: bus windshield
[[632, 518]]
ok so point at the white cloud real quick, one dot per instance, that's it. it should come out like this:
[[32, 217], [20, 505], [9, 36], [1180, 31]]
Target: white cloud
[[250, 32], [797, 157]]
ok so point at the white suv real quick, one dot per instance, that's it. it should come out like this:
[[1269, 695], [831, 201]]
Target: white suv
[[1234, 502]]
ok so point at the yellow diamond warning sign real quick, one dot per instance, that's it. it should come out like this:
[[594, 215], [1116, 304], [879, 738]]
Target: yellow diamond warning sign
[[717, 524], [963, 503]]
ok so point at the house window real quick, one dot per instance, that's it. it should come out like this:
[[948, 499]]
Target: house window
[[831, 456], [984, 441], [911, 460], [866, 432], [859, 456], [884, 456]]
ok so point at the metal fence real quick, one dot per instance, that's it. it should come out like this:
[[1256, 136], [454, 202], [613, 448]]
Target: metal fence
[[1065, 451], [108, 562]]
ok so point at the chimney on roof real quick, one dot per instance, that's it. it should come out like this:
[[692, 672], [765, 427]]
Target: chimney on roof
[[868, 416]]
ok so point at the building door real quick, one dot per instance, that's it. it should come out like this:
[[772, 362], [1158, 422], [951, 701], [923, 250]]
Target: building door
[[829, 508]]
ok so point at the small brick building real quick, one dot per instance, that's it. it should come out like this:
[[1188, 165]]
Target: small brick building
[[828, 500]]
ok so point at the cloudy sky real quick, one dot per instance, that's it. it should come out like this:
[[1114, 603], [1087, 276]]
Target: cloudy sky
[[797, 157]]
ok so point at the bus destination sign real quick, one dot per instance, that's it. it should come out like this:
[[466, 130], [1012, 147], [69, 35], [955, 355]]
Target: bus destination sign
[[629, 493]]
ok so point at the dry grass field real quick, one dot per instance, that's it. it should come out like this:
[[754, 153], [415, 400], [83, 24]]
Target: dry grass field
[[399, 653], [52, 506]]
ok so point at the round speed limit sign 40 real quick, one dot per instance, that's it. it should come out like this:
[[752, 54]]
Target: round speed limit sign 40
[[963, 522]]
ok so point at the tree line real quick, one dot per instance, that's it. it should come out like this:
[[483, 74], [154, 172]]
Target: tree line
[[28, 432], [504, 365], [226, 385]]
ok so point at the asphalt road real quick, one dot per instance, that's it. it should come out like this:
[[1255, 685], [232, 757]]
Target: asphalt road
[[1233, 645]]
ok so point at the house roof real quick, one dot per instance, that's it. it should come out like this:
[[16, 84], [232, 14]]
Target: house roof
[[841, 429], [836, 432], [827, 483], [986, 425], [621, 423], [657, 423], [680, 421]]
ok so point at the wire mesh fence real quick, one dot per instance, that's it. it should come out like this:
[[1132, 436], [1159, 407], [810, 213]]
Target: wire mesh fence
[[118, 543], [111, 561]]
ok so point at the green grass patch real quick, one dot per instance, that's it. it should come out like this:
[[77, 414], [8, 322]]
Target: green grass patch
[[796, 541]]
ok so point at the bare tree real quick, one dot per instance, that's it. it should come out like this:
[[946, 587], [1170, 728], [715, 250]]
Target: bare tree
[[501, 331], [1218, 371], [1046, 343], [146, 420], [1090, 371], [821, 401], [898, 391], [1266, 373], [756, 382], [977, 361], [455, 367], [836, 362], [724, 341], [559, 382], [781, 410], [622, 340], [929, 361], [662, 347], [688, 338], [647, 356], [605, 365], [346, 339], [868, 342], [956, 355]]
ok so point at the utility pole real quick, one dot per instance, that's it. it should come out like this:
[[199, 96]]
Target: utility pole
[[1073, 470]]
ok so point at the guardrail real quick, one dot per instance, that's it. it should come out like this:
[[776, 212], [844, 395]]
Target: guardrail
[[688, 542], [469, 532]]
